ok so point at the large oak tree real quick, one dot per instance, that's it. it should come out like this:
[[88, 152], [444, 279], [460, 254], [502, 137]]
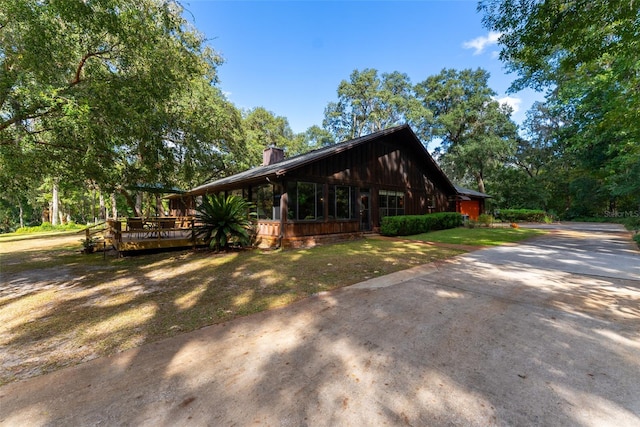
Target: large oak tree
[[115, 92], [585, 55]]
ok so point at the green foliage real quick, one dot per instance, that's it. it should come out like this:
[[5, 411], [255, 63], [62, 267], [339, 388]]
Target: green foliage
[[477, 132], [585, 55], [485, 220], [316, 137], [370, 102], [47, 227], [109, 94], [522, 215], [263, 129], [636, 237], [406, 225], [222, 221], [89, 244]]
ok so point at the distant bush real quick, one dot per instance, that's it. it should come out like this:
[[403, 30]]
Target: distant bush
[[632, 223], [47, 226], [407, 225], [637, 239], [522, 215], [485, 220]]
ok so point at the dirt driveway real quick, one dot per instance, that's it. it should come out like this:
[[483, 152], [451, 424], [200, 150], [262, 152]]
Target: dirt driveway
[[542, 333]]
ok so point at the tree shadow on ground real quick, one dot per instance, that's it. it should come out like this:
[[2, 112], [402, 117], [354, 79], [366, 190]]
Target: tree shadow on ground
[[472, 343], [60, 310]]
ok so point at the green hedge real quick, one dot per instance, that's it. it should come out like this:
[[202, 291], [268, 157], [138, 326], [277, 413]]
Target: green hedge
[[407, 225], [521, 215]]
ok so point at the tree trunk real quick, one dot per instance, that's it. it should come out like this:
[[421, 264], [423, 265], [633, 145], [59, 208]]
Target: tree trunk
[[480, 183], [131, 202], [103, 209], [21, 213], [159, 207], [55, 204], [93, 205], [138, 207], [114, 207]]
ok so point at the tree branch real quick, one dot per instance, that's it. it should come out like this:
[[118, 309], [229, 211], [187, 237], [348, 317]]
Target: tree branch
[[22, 117], [82, 63]]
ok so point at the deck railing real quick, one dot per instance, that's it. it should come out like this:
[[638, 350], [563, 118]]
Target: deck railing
[[150, 228]]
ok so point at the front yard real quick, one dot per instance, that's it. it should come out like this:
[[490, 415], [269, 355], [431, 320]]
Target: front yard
[[59, 308]]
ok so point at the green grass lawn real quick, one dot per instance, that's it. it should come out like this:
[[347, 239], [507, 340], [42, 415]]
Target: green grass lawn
[[478, 236]]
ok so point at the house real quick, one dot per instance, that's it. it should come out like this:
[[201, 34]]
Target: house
[[470, 202], [337, 191]]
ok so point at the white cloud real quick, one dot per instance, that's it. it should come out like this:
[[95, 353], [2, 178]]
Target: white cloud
[[511, 101], [480, 43]]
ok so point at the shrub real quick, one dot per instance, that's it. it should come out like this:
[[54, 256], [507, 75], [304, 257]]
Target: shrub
[[223, 221], [89, 244], [522, 215], [406, 225], [632, 223], [485, 220], [637, 239]]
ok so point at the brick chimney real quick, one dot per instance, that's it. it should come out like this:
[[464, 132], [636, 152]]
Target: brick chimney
[[272, 155]]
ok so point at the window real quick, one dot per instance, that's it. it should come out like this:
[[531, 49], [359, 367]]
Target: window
[[391, 203], [306, 201], [342, 202], [266, 201]]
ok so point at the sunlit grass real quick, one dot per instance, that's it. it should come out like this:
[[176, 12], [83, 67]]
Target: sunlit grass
[[59, 307], [478, 236]]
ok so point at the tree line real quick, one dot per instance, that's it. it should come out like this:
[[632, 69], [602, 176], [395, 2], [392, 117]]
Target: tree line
[[104, 105]]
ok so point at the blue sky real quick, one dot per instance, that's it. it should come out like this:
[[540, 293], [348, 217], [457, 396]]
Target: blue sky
[[290, 56]]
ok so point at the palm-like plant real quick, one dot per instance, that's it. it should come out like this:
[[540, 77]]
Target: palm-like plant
[[223, 220]]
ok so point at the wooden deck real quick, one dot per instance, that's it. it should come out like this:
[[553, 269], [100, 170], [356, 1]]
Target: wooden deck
[[146, 234], [126, 238]]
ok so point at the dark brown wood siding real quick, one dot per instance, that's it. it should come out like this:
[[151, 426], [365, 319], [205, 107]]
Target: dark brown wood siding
[[381, 165], [393, 162]]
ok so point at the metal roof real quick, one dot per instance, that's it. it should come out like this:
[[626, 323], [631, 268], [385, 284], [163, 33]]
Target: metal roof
[[275, 170], [468, 192]]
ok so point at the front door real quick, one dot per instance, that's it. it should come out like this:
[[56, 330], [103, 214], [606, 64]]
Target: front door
[[365, 210]]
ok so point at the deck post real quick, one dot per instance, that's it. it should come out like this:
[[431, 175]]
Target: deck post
[[115, 229], [192, 223]]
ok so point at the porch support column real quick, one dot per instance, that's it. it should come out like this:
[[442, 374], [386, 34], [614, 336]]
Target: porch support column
[[284, 210]]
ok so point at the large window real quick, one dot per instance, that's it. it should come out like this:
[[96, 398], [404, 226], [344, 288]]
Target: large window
[[306, 201], [266, 199], [391, 203], [342, 202]]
